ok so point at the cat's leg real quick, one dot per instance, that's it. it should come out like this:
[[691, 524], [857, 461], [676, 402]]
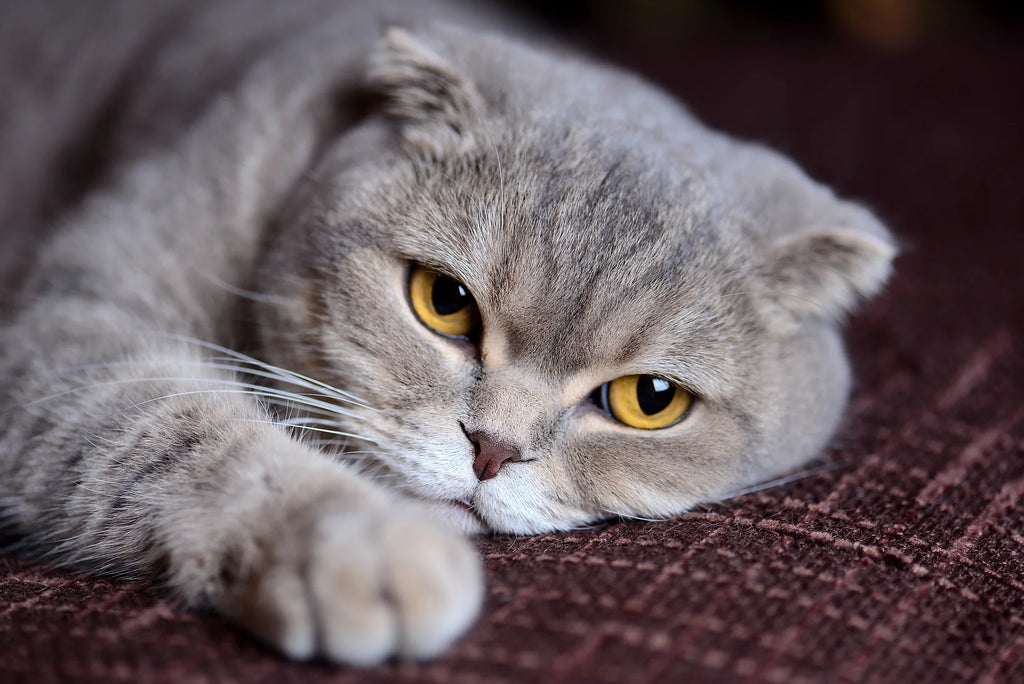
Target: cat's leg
[[151, 465], [128, 446]]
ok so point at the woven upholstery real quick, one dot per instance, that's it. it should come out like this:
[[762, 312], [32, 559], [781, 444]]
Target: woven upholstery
[[900, 557]]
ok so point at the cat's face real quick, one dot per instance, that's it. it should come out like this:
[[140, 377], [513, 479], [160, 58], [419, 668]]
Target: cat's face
[[553, 317]]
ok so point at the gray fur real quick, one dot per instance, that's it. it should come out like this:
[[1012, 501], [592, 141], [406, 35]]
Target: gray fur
[[211, 372]]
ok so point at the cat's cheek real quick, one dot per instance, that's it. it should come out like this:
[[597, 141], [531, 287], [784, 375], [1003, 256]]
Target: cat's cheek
[[439, 467], [525, 499]]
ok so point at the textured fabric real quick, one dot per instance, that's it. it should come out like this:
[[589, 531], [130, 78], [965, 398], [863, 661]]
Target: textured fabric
[[899, 556]]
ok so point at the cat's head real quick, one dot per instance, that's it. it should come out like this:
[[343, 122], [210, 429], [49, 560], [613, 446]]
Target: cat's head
[[563, 297]]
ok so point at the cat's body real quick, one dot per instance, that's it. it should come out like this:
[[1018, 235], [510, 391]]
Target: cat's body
[[284, 189]]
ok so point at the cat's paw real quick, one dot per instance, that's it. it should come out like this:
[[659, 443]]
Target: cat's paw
[[366, 587]]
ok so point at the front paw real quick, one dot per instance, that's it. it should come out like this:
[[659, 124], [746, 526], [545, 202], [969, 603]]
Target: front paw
[[361, 586]]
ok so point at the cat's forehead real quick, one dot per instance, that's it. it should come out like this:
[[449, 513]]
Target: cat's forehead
[[582, 258]]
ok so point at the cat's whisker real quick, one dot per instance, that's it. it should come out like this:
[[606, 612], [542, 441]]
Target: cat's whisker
[[302, 426], [281, 375], [285, 400], [260, 297], [306, 420], [369, 470], [364, 453], [339, 433], [328, 389], [242, 388], [217, 366], [501, 180], [778, 482], [289, 404], [340, 446], [276, 372], [638, 517], [281, 405], [585, 526]]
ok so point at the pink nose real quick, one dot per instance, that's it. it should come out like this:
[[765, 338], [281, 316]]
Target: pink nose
[[491, 455]]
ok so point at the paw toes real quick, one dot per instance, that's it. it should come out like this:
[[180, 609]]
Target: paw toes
[[360, 635], [356, 622], [437, 588], [362, 589], [275, 608]]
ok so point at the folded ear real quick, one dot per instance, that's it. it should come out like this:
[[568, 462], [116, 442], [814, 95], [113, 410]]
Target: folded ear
[[426, 93], [824, 272]]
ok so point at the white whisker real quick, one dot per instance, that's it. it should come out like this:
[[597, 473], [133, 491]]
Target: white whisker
[[279, 373], [213, 365], [635, 516], [783, 480], [243, 388], [501, 179], [338, 433], [245, 294]]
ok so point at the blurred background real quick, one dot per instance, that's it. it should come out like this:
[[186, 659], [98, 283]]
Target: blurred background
[[877, 24]]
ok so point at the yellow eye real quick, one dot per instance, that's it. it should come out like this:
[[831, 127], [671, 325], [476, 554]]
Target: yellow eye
[[645, 401], [442, 303]]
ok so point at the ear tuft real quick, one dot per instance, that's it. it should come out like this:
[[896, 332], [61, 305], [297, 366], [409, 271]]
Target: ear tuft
[[823, 274], [423, 88]]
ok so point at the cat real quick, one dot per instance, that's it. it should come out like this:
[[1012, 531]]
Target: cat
[[301, 294]]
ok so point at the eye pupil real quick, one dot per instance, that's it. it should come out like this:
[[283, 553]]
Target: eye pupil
[[449, 296], [644, 401], [654, 394], [443, 304]]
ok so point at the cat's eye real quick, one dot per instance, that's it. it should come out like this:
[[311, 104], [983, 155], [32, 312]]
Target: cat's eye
[[442, 303], [644, 401]]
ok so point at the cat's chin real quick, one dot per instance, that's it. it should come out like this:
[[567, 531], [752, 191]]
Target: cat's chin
[[456, 516]]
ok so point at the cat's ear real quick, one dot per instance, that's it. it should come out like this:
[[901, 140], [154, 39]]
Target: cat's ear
[[824, 272], [428, 94]]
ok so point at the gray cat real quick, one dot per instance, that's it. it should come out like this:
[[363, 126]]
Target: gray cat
[[320, 297]]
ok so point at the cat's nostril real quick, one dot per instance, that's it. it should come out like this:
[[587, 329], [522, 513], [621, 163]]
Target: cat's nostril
[[491, 455]]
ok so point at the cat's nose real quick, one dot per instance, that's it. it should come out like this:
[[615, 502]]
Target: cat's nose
[[491, 455]]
